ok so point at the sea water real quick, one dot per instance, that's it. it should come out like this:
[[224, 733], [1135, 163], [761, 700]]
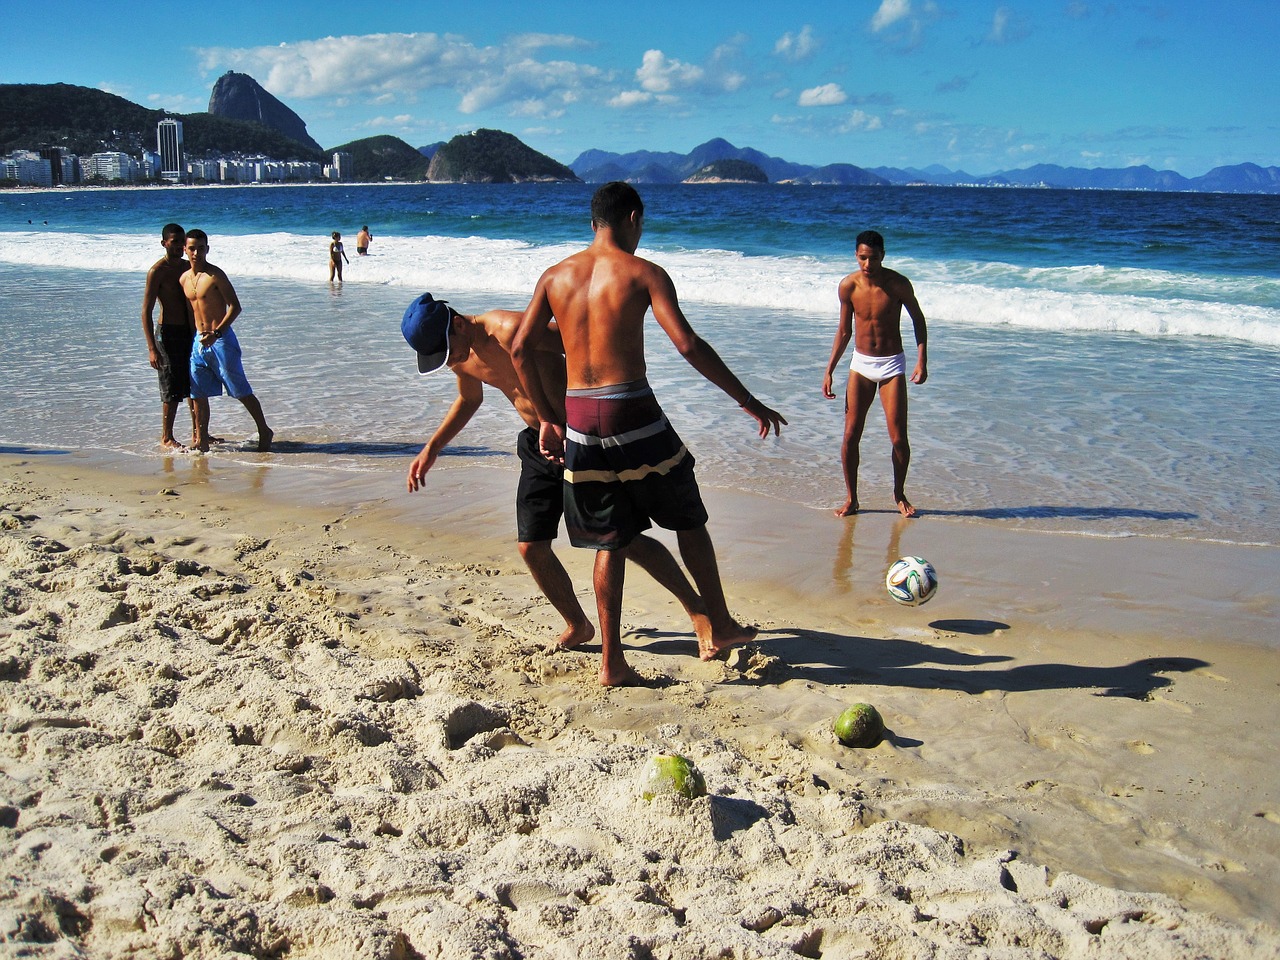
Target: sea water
[[1100, 363]]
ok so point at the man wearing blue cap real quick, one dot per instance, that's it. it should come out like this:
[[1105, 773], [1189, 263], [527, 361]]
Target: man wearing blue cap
[[477, 349]]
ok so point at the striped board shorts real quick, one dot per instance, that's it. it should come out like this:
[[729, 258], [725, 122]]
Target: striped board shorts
[[625, 468]]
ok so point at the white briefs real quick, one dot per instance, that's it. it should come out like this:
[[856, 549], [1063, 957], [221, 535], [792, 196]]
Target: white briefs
[[878, 369]]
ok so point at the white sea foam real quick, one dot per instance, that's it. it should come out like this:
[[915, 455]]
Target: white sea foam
[[1081, 298]]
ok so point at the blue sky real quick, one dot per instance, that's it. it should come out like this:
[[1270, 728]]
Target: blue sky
[[969, 84]]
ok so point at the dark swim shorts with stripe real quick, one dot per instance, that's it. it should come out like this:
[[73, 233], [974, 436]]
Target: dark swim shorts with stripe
[[625, 468]]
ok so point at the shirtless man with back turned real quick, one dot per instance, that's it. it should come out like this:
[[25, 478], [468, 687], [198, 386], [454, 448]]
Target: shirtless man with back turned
[[871, 302], [215, 358], [624, 464], [477, 350]]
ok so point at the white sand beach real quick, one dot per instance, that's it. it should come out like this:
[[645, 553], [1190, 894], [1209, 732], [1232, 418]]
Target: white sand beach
[[253, 712]]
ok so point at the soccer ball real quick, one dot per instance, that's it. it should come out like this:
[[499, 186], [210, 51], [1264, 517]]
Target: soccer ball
[[912, 581]]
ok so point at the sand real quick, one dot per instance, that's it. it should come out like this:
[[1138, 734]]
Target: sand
[[255, 712]]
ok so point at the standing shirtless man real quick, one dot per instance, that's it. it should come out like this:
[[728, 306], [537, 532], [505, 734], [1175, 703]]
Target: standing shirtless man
[[215, 358], [871, 302], [625, 467], [477, 350], [171, 357]]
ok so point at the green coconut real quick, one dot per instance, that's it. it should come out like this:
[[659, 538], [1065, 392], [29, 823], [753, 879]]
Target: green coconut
[[670, 773], [859, 726]]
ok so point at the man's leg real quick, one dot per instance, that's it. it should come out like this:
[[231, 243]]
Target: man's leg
[[655, 559], [699, 555], [169, 409], [201, 441], [857, 401], [893, 397], [265, 433], [608, 579], [553, 580]]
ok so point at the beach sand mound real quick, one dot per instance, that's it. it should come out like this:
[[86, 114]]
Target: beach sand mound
[[217, 744]]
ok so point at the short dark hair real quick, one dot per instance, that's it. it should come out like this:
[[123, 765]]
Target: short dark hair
[[198, 235], [614, 202], [871, 238], [172, 230]]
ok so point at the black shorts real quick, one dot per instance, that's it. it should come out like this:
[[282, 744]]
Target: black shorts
[[540, 493], [175, 372]]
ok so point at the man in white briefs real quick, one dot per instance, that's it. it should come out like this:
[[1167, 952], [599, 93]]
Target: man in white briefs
[[871, 302]]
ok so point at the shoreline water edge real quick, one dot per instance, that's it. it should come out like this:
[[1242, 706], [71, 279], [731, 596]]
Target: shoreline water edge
[[273, 704]]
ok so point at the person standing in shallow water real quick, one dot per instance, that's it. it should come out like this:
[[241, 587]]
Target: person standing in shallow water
[[215, 356], [871, 302], [363, 239], [336, 256], [171, 357]]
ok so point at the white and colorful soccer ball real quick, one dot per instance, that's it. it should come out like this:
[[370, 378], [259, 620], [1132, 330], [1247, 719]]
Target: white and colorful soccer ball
[[912, 581]]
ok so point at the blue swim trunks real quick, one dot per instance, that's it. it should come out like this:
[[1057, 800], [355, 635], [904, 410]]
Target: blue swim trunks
[[217, 366]]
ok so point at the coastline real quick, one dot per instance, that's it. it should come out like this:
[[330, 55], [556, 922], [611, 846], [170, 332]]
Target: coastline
[[330, 702]]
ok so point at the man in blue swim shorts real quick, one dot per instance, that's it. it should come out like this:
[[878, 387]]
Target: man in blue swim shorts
[[624, 465], [871, 302], [215, 357]]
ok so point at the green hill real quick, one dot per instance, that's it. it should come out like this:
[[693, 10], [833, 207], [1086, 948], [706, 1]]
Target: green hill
[[492, 156], [84, 121], [377, 158], [732, 171]]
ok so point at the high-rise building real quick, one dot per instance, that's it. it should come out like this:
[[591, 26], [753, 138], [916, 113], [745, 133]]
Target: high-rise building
[[343, 165], [169, 144]]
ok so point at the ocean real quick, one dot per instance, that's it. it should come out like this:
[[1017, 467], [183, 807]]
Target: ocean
[[1100, 363]]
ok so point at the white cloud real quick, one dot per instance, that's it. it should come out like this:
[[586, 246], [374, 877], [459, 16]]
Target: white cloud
[[859, 120], [1006, 27], [660, 74], [389, 66], [630, 98], [797, 46], [890, 12], [827, 95]]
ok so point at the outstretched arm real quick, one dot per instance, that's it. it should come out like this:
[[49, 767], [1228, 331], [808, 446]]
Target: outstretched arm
[[524, 349], [700, 354], [149, 296], [921, 372], [463, 408], [844, 333]]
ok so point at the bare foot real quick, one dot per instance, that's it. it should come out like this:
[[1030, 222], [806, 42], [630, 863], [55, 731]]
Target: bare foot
[[718, 645], [702, 628], [195, 441], [264, 440], [905, 508], [623, 677], [576, 636], [848, 510], [201, 445], [172, 444]]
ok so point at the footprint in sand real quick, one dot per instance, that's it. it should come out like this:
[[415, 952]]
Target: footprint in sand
[[1140, 746]]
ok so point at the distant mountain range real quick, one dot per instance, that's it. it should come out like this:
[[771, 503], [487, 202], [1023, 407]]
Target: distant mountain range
[[644, 166], [245, 118]]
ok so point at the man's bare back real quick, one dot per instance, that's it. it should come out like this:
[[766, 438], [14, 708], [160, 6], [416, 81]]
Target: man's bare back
[[599, 298]]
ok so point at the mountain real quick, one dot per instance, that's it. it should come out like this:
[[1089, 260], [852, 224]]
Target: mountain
[[842, 174], [237, 96], [85, 121], [430, 149], [728, 171], [1240, 178], [385, 158], [492, 156], [646, 166]]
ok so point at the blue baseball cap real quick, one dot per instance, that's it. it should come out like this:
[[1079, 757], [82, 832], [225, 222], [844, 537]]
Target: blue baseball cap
[[426, 328]]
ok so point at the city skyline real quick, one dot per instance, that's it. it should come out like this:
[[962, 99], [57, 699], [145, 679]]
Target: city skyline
[[904, 83]]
